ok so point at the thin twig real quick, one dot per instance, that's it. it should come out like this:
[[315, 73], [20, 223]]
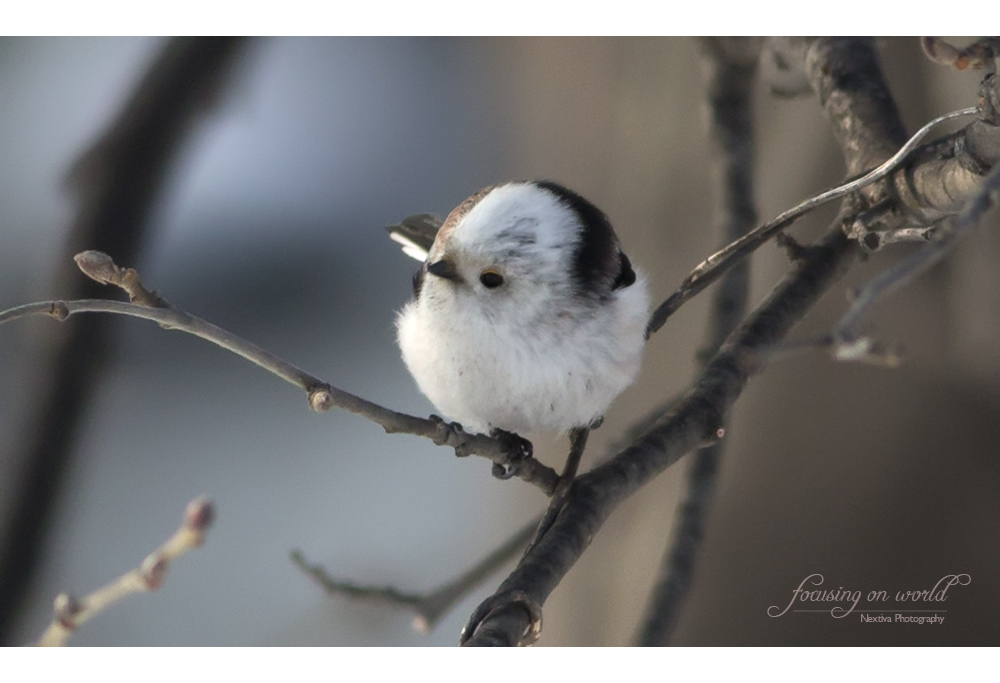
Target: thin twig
[[578, 443], [70, 613], [732, 67], [876, 239], [431, 606], [709, 270], [322, 395]]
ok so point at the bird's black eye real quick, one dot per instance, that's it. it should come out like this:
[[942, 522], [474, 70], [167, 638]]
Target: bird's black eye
[[491, 279]]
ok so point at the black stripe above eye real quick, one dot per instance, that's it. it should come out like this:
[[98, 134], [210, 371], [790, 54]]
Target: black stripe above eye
[[597, 264]]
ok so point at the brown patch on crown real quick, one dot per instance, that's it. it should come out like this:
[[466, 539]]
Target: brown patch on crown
[[459, 212]]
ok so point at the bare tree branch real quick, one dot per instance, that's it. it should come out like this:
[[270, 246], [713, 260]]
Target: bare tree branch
[[431, 606], [71, 613], [731, 66], [506, 452], [698, 414], [928, 183], [943, 176], [845, 75], [712, 268], [869, 130], [846, 336], [117, 181], [578, 444]]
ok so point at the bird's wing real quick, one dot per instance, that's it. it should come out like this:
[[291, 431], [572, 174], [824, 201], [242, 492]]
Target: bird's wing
[[416, 234]]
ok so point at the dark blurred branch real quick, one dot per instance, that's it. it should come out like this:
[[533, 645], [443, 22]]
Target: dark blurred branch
[[846, 76], [509, 452], [731, 66], [116, 181]]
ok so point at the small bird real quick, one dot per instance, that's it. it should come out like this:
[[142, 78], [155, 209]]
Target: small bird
[[527, 316]]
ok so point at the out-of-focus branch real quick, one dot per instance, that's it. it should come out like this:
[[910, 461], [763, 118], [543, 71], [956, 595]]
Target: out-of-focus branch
[[70, 613], [431, 606], [731, 66], [846, 76], [507, 452], [116, 182]]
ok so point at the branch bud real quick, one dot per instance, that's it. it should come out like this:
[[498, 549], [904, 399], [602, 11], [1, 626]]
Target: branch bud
[[59, 310], [320, 399], [153, 571], [199, 515], [66, 607], [97, 266]]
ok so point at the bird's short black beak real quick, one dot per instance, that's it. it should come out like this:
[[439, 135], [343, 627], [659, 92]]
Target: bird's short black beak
[[444, 269]]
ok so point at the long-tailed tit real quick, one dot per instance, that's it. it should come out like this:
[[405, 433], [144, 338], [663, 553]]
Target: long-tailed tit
[[527, 315]]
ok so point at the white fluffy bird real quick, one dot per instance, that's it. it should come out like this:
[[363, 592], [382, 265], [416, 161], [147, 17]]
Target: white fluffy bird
[[527, 315]]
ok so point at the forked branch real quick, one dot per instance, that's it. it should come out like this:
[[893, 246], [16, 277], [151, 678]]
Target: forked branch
[[428, 607], [712, 268]]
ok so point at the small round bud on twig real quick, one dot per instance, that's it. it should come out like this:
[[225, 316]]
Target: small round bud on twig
[[153, 571], [59, 310], [66, 607], [199, 515], [97, 266], [320, 399]]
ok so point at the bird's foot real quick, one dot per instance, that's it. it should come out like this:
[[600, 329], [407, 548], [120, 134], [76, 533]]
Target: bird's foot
[[516, 448]]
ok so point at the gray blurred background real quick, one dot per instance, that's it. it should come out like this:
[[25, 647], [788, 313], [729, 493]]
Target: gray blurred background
[[270, 224]]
